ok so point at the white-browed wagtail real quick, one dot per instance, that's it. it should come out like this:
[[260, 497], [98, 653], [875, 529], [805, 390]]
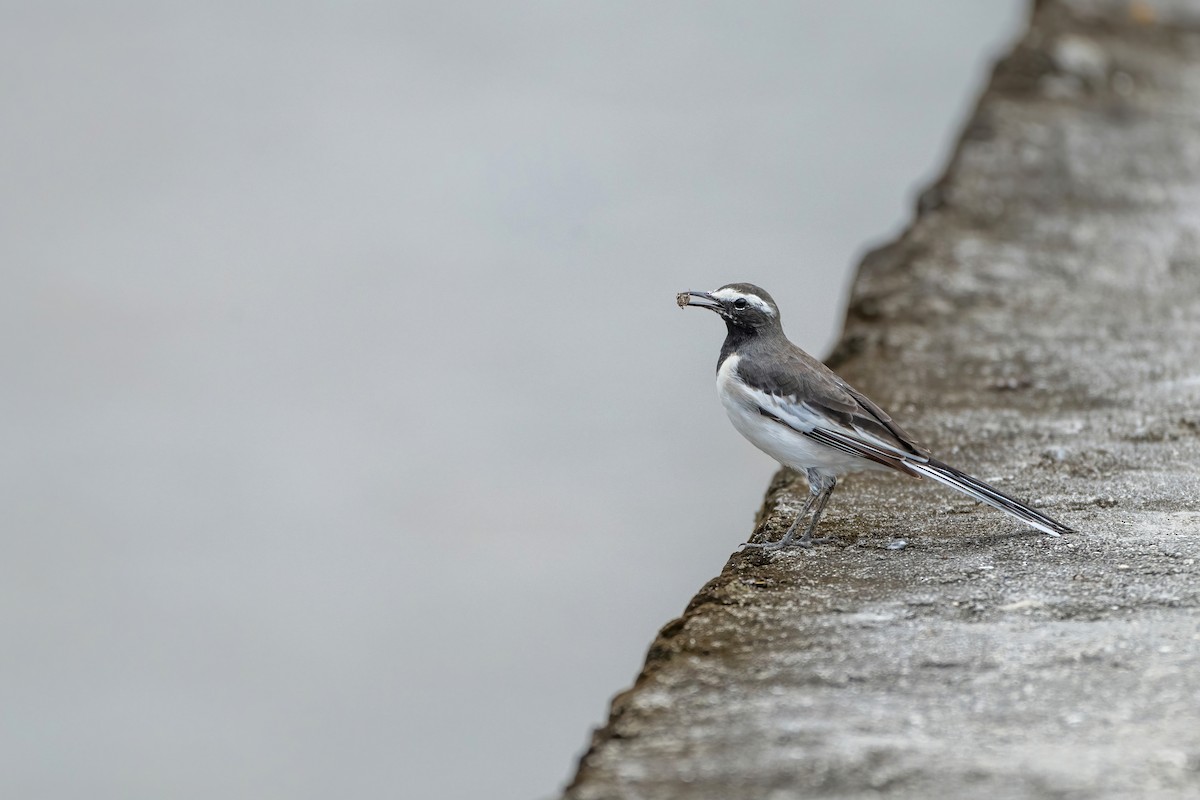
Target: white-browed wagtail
[[798, 411]]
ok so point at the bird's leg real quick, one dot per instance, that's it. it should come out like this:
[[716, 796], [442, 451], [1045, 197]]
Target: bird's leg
[[826, 484], [787, 537], [819, 488]]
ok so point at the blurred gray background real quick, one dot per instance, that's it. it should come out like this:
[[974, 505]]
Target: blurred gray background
[[353, 444]]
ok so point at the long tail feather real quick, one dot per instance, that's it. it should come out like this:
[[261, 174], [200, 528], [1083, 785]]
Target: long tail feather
[[968, 485]]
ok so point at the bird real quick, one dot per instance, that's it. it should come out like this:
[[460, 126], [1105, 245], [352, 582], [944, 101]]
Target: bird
[[801, 413]]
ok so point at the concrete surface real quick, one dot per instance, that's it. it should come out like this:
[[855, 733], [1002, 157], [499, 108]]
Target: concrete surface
[[1038, 326]]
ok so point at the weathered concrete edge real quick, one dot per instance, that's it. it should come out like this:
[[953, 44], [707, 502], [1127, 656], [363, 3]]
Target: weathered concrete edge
[[850, 344], [858, 338]]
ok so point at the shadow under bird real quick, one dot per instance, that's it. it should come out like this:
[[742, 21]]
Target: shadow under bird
[[798, 411]]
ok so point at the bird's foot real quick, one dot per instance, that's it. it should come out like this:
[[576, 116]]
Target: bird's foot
[[804, 541]]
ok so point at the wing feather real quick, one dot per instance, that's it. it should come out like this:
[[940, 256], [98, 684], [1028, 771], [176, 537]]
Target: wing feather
[[809, 397]]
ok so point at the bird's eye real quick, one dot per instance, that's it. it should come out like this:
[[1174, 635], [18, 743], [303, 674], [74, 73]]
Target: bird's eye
[[740, 303]]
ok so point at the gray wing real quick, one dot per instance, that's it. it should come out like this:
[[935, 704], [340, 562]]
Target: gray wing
[[806, 395]]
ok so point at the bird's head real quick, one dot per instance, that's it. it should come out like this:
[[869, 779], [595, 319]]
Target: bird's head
[[743, 306]]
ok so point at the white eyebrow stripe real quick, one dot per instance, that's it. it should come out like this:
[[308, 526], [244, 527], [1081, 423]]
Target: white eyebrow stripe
[[753, 299]]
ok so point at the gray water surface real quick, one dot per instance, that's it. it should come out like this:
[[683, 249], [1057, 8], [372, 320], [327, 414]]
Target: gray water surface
[[353, 444]]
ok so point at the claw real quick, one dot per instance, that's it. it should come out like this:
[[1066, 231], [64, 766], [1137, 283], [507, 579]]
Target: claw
[[784, 544]]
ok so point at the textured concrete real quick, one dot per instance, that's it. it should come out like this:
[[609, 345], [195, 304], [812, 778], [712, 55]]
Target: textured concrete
[[1039, 326]]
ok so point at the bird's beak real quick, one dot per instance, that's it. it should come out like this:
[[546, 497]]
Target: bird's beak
[[700, 299]]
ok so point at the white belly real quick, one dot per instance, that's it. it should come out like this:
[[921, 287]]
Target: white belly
[[782, 443]]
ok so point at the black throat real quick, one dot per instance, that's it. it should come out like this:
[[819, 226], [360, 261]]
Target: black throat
[[736, 337]]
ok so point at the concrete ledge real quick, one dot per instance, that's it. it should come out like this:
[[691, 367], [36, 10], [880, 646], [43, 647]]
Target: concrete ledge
[[1038, 326]]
